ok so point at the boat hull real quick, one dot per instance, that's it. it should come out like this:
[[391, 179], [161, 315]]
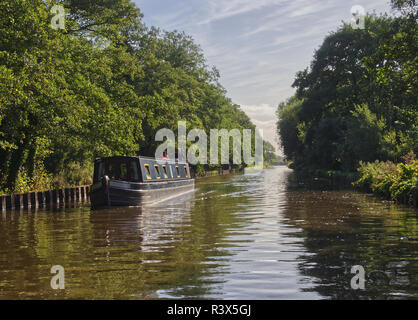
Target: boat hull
[[127, 194]]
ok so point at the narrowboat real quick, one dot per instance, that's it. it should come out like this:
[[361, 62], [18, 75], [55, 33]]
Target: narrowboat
[[137, 181]]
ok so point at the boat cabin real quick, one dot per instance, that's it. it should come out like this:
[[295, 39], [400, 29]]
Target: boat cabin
[[140, 169]]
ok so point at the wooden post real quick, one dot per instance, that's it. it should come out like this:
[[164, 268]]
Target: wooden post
[[81, 194], [83, 190], [3, 203], [78, 194], [41, 198], [34, 199], [10, 202], [61, 195], [67, 194], [55, 197], [19, 201], [48, 197], [73, 194], [26, 200]]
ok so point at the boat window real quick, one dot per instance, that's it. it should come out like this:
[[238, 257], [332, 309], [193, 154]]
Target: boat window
[[134, 171], [178, 172], [157, 171], [165, 171], [111, 172], [118, 169], [100, 171], [187, 172], [147, 172], [123, 171]]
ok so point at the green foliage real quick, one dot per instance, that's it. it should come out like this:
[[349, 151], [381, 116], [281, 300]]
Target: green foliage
[[358, 100], [269, 153], [74, 174], [288, 128], [199, 169], [397, 182], [101, 87], [410, 7]]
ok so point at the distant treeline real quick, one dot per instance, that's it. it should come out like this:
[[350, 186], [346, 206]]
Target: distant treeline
[[103, 86], [357, 102]]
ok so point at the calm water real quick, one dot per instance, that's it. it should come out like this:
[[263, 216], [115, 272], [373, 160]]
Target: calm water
[[251, 236]]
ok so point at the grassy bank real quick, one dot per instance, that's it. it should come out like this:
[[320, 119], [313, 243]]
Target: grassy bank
[[72, 175], [397, 182], [388, 180]]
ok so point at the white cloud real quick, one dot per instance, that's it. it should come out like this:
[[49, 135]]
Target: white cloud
[[262, 112], [221, 9], [258, 45], [263, 116]]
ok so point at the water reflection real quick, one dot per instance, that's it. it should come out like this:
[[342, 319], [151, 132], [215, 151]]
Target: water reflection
[[342, 229], [251, 236]]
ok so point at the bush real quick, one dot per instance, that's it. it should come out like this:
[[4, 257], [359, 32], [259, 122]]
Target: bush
[[74, 174], [398, 182], [41, 181]]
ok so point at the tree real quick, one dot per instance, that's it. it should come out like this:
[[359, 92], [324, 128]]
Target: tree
[[103, 86], [356, 102]]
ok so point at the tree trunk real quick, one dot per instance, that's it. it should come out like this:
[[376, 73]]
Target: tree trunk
[[14, 167]]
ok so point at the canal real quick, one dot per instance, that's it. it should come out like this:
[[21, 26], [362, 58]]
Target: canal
[[259, 235]]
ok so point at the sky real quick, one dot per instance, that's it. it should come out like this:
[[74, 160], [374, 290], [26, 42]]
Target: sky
[[257, 45]]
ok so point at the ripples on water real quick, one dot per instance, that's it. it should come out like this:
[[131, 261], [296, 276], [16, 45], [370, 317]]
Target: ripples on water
[[251, 236]]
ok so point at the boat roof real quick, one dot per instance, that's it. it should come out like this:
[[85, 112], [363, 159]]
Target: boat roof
[[138, 157], [115, 158]]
